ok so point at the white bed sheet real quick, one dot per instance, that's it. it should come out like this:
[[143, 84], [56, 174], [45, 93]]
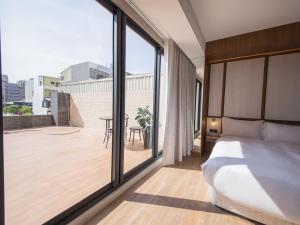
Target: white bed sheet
[[257, 174]]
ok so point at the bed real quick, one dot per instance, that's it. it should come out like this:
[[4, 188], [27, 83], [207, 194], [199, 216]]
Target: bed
[[255, 178]]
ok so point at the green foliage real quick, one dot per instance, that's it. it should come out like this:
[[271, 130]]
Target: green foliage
[[27, 114], [26, 110], [18, 110], [144, 117], [12, 109]]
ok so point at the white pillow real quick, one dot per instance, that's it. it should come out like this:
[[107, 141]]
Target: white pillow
[[281, 133], [242, 128]]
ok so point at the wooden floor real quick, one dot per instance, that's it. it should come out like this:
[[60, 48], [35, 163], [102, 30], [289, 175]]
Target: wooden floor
[[47, 170], [175, 195]]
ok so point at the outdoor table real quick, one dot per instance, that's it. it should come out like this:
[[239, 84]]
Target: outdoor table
[[108, 119], [108, 129]]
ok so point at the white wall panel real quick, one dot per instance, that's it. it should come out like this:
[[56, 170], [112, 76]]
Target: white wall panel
[[283, 88], [243, 90], [215, 89]]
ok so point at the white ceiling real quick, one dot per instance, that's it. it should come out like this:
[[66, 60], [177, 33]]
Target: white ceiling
[[191, 23], [224, 18], [173, 22], [169, 18]]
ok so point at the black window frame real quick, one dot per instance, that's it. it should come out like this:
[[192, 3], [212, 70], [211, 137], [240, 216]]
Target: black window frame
[[120, 19], [2, 211], [162, 54], [157, 60], [198, 81]]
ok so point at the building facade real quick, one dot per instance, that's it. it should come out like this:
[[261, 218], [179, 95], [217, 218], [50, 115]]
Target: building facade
[[12, 92], [38, 91], [85, 71], [4, 85], [29, 90]]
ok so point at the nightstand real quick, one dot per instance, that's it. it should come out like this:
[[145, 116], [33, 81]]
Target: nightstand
[[210, 142]]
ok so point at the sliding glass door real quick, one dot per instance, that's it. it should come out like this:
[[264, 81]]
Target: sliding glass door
[[57, 102], [80, 100], [139, 92]]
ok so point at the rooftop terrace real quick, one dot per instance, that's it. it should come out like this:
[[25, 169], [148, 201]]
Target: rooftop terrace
[[49, 169]]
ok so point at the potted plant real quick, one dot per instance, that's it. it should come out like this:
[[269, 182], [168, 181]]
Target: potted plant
[[144, 118]]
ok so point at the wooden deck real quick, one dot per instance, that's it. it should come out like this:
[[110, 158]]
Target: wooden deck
[[50, 169]]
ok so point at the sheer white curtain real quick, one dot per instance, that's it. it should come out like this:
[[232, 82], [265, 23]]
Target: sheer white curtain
[[179, 130]]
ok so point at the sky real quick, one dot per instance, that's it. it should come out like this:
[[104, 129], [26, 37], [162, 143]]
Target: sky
[[44, 37]]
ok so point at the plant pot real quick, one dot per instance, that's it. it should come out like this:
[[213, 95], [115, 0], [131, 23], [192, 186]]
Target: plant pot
[[147, 138]]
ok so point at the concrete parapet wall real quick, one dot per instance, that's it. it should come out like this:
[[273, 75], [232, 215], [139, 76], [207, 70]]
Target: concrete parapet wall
[[21, 122]]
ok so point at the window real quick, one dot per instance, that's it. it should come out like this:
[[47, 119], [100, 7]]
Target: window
[[197, 106], [87, 153], [46, 103]]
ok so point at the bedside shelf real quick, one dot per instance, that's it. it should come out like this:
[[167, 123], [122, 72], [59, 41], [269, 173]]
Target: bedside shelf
[[210, 142], [210, 138]]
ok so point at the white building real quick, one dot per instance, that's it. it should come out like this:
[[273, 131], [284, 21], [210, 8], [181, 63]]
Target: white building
[[29, 90], [39, 91], [85, 71]]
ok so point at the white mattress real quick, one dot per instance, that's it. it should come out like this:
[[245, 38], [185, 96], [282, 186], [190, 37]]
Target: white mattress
[[257, 174]]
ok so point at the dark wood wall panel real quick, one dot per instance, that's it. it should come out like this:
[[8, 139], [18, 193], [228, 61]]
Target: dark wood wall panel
[[264, 91], [223, 89], [282, 38], [205, 103]]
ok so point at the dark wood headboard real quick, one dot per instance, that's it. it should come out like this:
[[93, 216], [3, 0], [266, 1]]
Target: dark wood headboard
[[264, 43]]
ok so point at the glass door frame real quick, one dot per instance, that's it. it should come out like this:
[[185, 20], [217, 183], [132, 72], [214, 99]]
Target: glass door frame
[[118, 178], [157, 61], [2, 210]]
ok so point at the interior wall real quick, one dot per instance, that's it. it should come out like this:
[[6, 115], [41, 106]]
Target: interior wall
[[261, 78], [283, 94], [243, 90], [286, 37], [215, 89], [247, 94]]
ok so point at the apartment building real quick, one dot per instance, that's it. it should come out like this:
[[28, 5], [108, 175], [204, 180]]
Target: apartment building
[[38, 91], [12, 91], [85, 71], [29, 90]]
